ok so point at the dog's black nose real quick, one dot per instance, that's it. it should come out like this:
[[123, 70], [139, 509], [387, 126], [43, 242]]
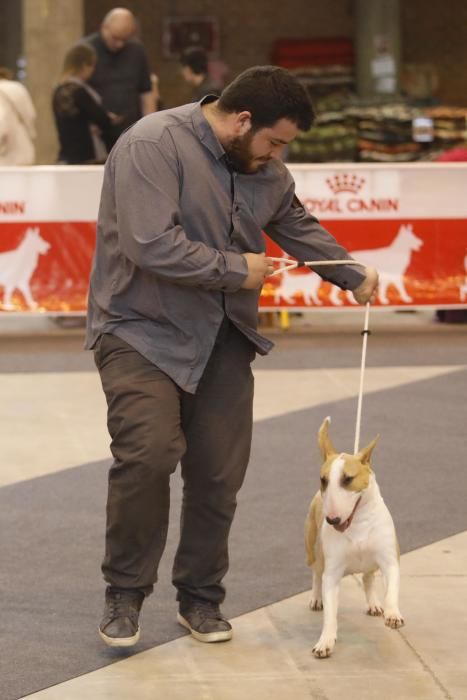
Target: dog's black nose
[[334, 521]]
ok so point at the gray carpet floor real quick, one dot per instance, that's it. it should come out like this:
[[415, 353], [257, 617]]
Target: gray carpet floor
[[52, 527], [445, 344]]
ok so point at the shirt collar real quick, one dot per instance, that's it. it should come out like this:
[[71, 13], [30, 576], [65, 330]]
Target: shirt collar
[[204, 130]]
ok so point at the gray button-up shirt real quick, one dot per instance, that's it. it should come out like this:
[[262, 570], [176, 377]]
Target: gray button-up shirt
[[172, 226]]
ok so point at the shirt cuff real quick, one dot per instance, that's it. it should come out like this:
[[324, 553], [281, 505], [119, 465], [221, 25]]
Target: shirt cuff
[[346, 277], [236, 271]]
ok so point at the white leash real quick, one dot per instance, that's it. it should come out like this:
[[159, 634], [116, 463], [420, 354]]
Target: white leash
[[365, 334], [292, 264]]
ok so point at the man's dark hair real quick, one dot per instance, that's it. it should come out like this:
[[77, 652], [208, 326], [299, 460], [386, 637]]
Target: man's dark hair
[[77, 56], [196, 59], [270, 93]]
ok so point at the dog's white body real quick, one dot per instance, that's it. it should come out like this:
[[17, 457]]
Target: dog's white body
[[17, 267], [392, 261], [361, 540]]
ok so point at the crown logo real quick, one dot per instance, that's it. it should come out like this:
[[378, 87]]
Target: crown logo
[[345, 183]]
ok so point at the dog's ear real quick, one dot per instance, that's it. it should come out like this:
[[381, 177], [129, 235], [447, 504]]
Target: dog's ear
[[365, 454], [324, 441]]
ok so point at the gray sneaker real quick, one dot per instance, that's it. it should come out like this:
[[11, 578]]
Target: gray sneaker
[[119, 626], [204, 620]]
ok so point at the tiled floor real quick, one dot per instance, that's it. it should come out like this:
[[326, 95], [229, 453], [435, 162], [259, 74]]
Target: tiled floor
[[270, 655]]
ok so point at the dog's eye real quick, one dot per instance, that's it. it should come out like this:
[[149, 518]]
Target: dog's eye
[[324, 482], [347, 480]]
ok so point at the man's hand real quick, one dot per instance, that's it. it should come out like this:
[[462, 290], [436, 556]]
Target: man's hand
[[367, 290], [259, 266]]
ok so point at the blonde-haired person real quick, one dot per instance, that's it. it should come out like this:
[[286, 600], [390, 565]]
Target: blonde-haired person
[[17, 122], [82, 123]]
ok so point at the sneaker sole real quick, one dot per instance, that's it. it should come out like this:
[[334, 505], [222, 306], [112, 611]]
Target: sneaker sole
[[119, 641], [208, 636]]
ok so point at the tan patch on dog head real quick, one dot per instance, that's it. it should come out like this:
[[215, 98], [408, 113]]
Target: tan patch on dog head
[[357, 468], [325, 471], [355, 475]]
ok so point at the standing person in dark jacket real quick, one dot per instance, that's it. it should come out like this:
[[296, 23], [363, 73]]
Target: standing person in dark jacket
[[122, 76], [173, 307], [195, 71], [82, 123]]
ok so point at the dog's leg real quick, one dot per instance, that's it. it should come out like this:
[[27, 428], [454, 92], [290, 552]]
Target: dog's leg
[[334, 296], [382, 290], [399, 284], [314, 288], [374, 606], [325, 644], [285, 295], [315, 298], [25, 289], [392, 615], [316, 602], [7, 297]]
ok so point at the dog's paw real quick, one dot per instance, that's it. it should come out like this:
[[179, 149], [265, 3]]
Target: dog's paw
[[393, 619], [316, 604], [375, 610], [323, 648]]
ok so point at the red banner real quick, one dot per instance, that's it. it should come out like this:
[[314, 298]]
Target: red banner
[[47, 237], [421, 262], [45, 266], [408, 221]]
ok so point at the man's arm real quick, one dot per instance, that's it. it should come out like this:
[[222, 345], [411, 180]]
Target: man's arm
[[301, 235], [148, 103]]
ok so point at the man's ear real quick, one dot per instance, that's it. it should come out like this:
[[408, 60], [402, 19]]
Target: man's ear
[[242, 122]]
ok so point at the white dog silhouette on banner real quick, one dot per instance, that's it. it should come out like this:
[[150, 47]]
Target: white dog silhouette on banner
[[392, 262], [306, 284], [17, 267]]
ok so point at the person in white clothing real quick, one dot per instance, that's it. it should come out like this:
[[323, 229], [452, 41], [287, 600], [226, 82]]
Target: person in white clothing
[[17, 122]]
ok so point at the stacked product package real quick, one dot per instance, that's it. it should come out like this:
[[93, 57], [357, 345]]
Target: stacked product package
[[385, 133], [449, 125], [333, 136], [346, 129]]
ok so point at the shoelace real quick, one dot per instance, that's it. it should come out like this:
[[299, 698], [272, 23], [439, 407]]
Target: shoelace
[[207, 610], [121, 606]]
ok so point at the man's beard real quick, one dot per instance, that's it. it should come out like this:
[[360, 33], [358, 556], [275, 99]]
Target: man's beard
[[240, 156]]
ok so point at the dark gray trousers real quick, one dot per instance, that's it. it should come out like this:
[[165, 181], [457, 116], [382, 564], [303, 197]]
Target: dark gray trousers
[[153, 425]]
